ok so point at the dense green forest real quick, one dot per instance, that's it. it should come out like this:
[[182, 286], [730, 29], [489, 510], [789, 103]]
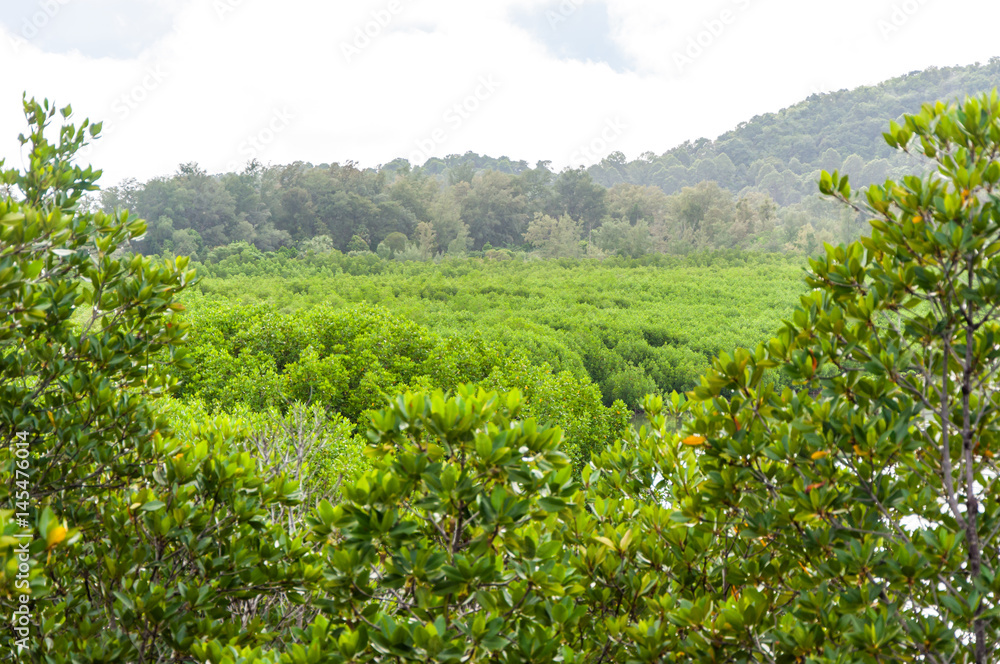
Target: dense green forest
[[274, 336], [322, 414], [631, 326], [752, 188], [781, 154]]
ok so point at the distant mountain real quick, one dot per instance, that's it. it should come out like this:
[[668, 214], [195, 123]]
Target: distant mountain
[[780, 153], [717, 194]]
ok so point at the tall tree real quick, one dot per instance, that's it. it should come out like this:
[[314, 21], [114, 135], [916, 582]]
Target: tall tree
[[554, 237], [249, 190], [701, 217], [867, 496], [135, 542], [494, 210], [193, 200], [415, 191], [635, 202], [450, 232], [577, 195], [536, 183]]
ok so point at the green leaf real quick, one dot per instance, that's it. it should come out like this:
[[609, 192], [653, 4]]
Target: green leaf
[[125, 599], [551, 504], [33, 269]]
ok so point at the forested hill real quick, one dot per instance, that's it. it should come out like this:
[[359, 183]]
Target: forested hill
[[781, 153], [849, 121], [752, 188]]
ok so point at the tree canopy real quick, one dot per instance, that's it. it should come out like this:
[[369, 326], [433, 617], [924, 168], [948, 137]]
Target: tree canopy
[[769, 164], [845, 513]]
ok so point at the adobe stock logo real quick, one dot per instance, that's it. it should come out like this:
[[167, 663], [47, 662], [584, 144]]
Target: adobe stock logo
[[364, 34], [566, 9], [223, 7], [129, 101], [712, 30], [597, 149], [898, 17], [455, 116], [34, 24], [255, 144]]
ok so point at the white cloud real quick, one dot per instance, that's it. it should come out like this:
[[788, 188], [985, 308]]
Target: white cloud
[[220, 80]]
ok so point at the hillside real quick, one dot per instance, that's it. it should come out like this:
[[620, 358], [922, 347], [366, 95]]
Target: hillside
[[752, 188], [781, 153]]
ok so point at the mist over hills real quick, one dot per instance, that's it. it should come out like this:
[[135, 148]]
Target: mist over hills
[[781, 153], [752, 188]]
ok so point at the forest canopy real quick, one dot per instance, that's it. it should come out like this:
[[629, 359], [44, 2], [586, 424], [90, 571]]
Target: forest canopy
[[194, 479], [753, 188]]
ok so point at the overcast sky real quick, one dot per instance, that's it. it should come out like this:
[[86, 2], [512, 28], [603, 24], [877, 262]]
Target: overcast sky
[[222, 81]]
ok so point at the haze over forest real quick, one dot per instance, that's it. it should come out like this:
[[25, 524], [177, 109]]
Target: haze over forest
[[751, 188]]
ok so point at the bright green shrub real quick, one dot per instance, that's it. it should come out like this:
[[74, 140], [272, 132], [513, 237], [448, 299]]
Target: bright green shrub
[[465, 359], [629, 385], [350, 360], [566, 401], [315, 379], [571, 314], [539, 343], [449, 549], [141, 543]]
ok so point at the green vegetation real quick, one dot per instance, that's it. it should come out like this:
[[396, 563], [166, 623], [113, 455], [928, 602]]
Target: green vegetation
[[141, 543], [410, 215], [327, 486], [867, 497], [753, 188], [348, 361], [782, 154], [629, 326]]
